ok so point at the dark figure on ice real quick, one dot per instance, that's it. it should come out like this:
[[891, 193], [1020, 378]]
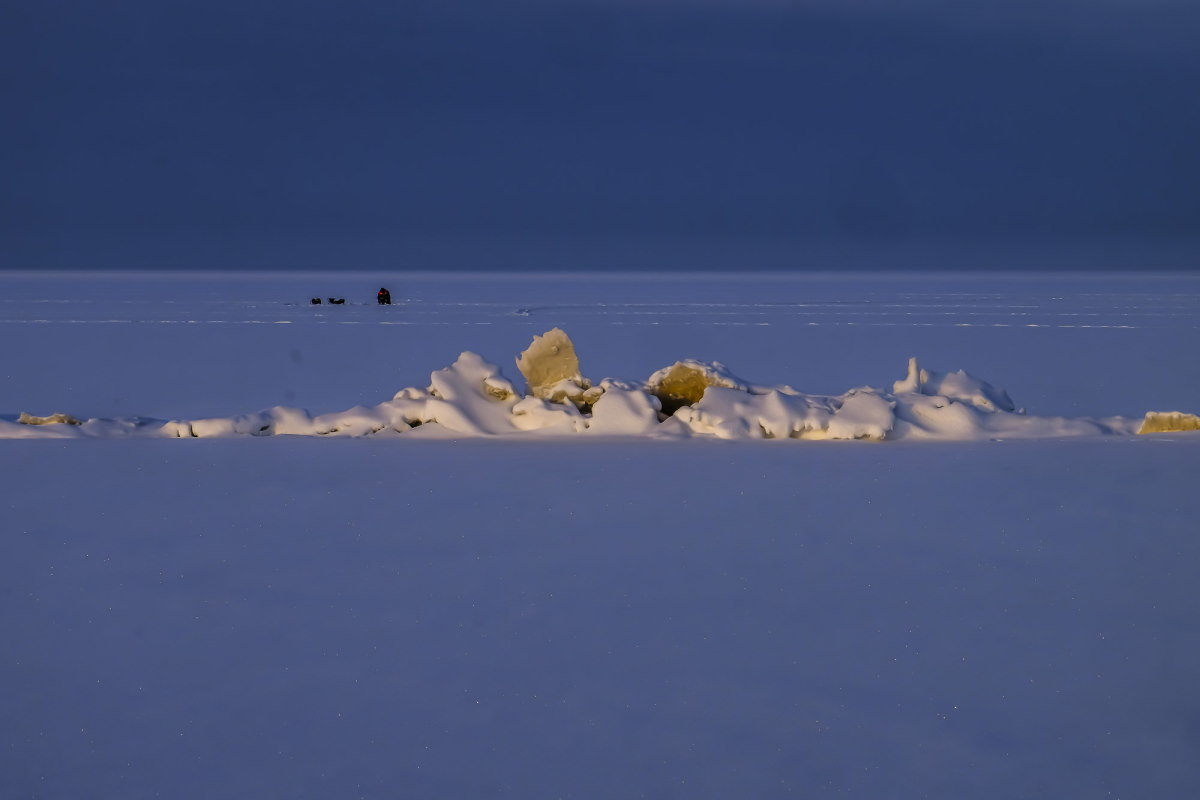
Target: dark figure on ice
[[384, 297]]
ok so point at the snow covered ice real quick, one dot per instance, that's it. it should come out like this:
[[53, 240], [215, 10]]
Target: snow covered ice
[[459, 588]]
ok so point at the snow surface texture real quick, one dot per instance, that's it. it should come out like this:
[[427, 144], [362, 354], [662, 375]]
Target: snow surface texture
[[472, 398], [298, 618]]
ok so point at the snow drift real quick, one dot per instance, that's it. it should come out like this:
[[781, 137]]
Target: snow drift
[[472, 397]]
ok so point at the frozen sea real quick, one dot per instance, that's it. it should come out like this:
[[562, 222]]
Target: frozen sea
[[300, 617]]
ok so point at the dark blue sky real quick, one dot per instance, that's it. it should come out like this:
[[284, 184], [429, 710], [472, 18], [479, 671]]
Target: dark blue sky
[[671, 133]]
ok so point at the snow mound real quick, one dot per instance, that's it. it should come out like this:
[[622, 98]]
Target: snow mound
[[471, 396], [689, 398], [623, 410], [735, 414], [959, 386]]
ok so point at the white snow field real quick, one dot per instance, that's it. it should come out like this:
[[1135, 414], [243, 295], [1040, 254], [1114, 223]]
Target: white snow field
[[410, 615]]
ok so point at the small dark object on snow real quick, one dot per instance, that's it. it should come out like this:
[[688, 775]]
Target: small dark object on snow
[[337, 301], [316, 301], [384, 297]]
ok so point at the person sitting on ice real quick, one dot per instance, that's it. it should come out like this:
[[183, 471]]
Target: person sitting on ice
[[384, 297]]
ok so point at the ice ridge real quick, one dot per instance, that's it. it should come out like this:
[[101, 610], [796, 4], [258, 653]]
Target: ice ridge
[[471, 397]]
